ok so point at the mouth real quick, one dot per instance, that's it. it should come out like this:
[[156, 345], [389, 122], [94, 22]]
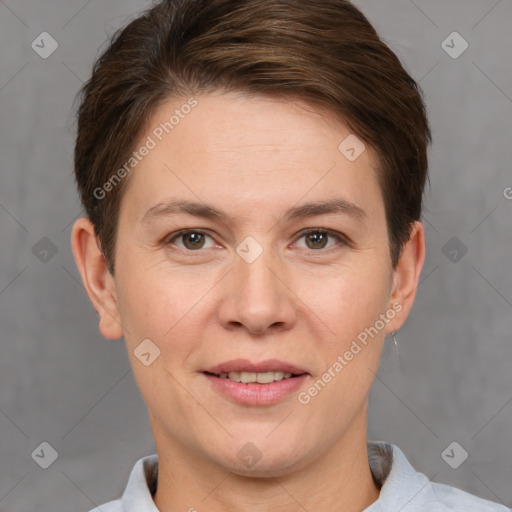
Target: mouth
[[248, 372], [246, 377], [256, 384]]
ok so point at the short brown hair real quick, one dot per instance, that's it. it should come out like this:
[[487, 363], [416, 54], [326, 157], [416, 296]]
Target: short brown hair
[[324, 52]]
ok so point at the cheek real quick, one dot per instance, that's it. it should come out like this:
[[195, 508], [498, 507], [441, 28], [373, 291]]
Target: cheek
[[140, 305], [352, 306], [161, 310], [350, 301], [160, 305]]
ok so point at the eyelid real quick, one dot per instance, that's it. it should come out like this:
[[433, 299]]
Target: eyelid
[[341, 238], [177, 234]]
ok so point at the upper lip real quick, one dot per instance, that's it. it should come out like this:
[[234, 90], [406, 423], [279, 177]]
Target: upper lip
[[245, 365]]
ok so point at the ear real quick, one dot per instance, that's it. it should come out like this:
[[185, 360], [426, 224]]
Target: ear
[[406, 277], [98, 281]]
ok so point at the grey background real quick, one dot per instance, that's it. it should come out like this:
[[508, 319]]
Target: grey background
[[62, 383]]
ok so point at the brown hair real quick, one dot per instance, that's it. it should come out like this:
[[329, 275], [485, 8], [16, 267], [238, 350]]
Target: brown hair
[[324, 52]]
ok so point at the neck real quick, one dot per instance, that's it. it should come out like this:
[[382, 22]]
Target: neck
[[340, 475], [339, 479]]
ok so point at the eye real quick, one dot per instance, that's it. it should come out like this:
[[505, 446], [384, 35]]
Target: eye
[[194, 239], [317, 238]]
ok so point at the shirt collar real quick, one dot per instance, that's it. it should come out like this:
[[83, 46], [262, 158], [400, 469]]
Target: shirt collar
[[399, 483], [137, 496], [402, 487]]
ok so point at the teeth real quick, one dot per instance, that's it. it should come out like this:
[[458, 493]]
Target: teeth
[[265, 378], [233, 376], [260, 378], [247, 377]]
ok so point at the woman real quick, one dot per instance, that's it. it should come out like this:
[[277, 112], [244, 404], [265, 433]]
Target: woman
[[252, 173]]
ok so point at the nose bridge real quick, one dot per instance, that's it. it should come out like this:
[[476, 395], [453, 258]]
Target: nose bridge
[[259, 298], [255, 267]]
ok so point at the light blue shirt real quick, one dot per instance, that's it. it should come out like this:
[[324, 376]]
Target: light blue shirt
[[402, 488]]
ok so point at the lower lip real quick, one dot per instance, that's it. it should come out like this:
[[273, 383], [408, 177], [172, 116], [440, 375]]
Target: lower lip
[[256, 394]]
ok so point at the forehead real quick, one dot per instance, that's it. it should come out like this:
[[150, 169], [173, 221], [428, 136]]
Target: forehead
[[242, 151]]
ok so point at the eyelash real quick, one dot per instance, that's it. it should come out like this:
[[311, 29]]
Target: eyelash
[[342, 240]]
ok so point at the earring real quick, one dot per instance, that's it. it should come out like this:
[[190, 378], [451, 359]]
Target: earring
[[395, 342]]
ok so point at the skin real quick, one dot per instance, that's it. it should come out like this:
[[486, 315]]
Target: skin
[[302, 301]]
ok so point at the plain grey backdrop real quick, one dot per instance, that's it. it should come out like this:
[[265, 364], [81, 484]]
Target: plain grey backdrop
[[62, 383]]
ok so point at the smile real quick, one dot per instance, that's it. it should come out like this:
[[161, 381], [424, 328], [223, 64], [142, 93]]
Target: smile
[[253, 377]]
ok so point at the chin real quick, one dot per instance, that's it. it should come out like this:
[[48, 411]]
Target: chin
[[271, 460]]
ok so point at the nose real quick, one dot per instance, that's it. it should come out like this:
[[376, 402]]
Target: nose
[[257, 297]]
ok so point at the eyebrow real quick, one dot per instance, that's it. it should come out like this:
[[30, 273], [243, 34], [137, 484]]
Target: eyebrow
[[199, 209]]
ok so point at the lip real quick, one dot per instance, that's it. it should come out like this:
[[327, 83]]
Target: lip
[[253, 393], [245, 365]]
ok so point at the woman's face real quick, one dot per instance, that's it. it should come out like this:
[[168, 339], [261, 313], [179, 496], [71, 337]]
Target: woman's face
[[252, 286]]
